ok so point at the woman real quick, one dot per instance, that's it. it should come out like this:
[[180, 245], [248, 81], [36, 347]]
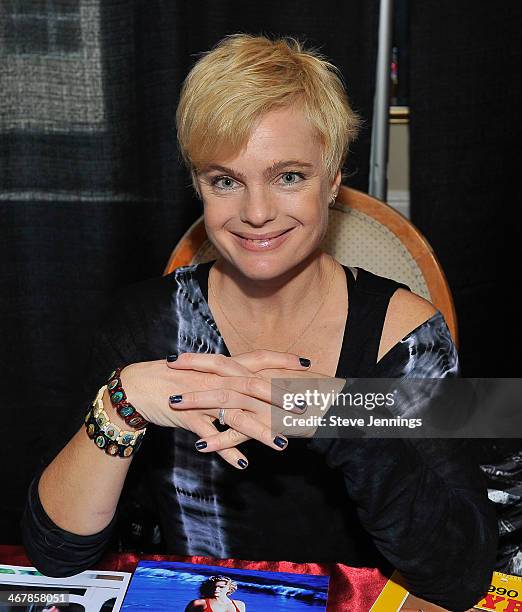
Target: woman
[[264, 128], [215, 597]]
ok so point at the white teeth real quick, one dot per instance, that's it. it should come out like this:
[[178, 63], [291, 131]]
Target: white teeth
[[264, 239]]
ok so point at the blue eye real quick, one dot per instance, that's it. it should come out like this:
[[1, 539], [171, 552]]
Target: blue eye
[[291, 178], [223, 182]]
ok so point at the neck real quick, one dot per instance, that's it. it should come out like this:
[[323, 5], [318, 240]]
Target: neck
[[272, 301]]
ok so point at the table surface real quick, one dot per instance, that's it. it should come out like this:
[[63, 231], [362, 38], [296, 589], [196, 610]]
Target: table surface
[[352, 589]]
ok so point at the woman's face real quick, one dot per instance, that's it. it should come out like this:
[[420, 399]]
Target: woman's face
[[220, 588], [266, 209]]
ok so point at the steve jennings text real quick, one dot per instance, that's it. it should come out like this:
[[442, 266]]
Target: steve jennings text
[[290, 420]]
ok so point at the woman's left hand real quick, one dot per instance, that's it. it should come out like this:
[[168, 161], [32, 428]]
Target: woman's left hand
[[250, 401]]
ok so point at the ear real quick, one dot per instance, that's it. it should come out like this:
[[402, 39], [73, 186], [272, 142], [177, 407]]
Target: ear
[[336, 182], [334, 189]]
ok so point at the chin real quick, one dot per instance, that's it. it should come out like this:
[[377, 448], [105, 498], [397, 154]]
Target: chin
[[266, 268], [262, 268]]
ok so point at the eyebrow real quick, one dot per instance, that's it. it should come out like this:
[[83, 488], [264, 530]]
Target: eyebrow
[[278, 166], [273, 169]]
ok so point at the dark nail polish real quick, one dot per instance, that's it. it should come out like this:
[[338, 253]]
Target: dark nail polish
[[242, 464], [171, 358], [200, 445], [300, 405], [175, 399], [304, 362], [279, 441]]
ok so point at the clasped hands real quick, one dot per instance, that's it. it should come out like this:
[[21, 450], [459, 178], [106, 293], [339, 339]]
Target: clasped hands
[[190, 391]]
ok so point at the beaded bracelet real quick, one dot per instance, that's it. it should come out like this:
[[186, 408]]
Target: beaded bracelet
[[107, 435], [119, 400]]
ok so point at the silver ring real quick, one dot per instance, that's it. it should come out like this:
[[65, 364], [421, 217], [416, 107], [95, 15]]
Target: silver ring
[[222, 416]]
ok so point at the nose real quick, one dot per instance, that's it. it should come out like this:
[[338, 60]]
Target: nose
[[258, 206]]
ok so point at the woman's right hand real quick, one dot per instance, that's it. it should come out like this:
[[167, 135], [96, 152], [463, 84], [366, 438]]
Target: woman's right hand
[[150, 385]]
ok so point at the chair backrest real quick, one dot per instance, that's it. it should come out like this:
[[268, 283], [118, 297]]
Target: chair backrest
[[365, 232]]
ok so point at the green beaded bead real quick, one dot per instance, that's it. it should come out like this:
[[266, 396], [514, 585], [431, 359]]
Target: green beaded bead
[[126, 411], [117, 397], [126, 439]]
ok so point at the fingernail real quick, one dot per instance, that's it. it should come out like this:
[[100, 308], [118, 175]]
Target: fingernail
[[171, 358], [300, 405], [242, 463], [281, 442], [175, 399], [304, 362], [200, 445]]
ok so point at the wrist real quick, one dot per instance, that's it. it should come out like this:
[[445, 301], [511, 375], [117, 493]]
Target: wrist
[[106, 434], [123, 407], [109, 409]]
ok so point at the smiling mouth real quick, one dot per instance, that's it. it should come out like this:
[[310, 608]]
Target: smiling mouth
[[264, 239]]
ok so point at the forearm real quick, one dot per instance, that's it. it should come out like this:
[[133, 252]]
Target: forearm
[[80, 489], [70, 509], [432, 524]]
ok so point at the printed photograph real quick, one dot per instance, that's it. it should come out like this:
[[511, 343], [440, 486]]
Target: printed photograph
[[185, 587], [25, 589]]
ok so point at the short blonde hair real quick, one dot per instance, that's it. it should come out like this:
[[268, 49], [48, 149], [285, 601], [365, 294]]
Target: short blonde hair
[[206, 591], [245, 76]]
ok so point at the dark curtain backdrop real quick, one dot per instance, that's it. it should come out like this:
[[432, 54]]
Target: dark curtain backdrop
[[465, 136], [92, 194]]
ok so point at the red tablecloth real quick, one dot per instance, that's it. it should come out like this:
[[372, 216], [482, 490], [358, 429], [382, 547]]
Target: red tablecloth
[[351, 589]]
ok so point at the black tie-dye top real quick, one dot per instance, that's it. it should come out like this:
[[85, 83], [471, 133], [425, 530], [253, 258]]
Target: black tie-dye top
[[420, 506]]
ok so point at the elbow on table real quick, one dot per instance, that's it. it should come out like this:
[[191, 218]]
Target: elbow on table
[[56, 553], [52, 561], [467, 572], [50, 568], [458, 596], [54, 567]]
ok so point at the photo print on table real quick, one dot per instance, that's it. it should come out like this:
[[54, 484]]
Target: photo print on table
[[187, 587]]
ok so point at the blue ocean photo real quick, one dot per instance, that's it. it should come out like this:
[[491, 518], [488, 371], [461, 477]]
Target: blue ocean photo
[[164, 585]]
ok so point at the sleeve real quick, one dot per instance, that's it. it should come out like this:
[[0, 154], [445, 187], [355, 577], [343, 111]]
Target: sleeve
[[54, 551], [423, 501]]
